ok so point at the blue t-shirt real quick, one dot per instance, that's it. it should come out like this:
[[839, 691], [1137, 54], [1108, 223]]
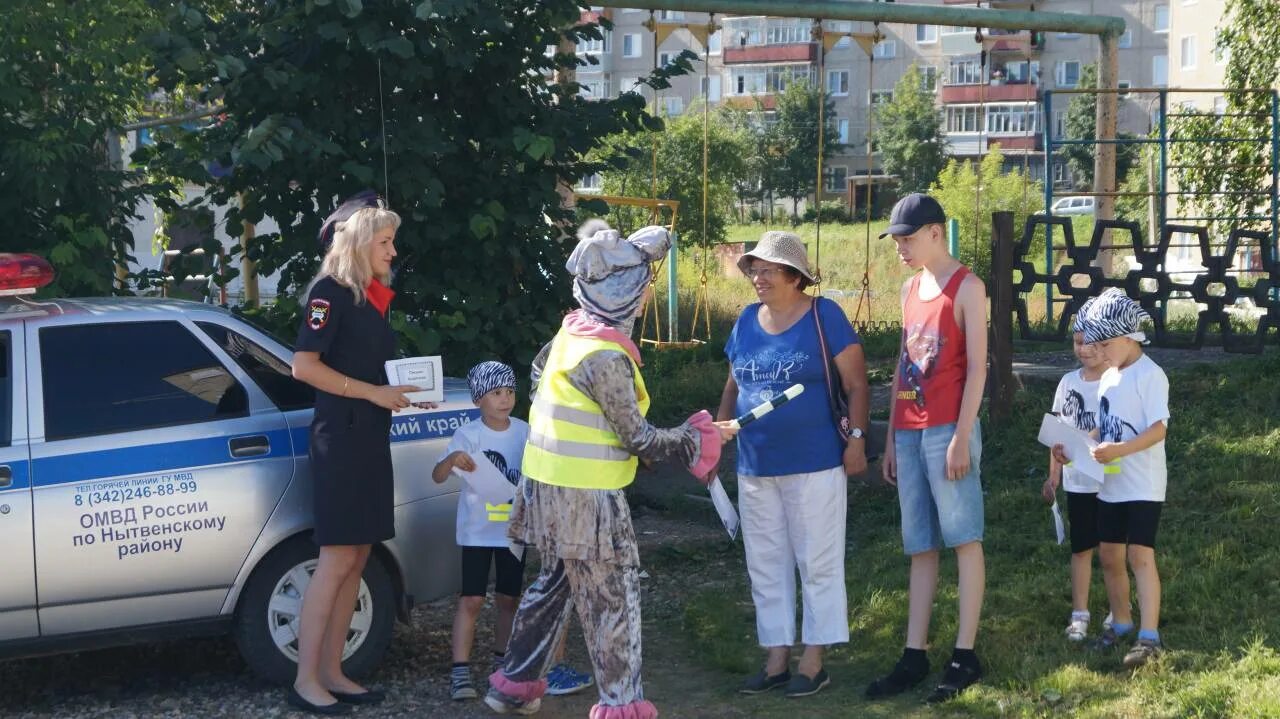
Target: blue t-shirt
[[800, 436]]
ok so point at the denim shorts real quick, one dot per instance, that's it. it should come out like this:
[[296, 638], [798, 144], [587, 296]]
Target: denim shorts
[[937, 511]]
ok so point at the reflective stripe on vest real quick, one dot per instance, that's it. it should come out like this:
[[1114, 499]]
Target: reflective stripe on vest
[[571, 444]]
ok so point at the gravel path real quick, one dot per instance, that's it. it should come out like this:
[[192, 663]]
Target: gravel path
[[207, 678]]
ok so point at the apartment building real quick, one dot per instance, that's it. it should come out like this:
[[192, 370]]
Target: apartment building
[[987, 98]]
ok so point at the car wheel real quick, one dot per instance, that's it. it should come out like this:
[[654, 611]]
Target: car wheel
[[267, 620]]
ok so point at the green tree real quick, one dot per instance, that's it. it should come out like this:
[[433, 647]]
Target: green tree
[[957, 189], [908, 133], [679, 175], [68, 78], [797, 137], [1233, 179], [478, 136], [1082, 124]]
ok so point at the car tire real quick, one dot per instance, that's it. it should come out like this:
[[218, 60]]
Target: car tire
[[262, 629]]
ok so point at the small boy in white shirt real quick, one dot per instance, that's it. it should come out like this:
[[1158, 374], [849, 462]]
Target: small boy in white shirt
[[1076, 402], [482, 526], [1133, 411]]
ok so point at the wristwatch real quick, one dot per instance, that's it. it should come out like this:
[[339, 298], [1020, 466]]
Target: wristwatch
[[856, 433]]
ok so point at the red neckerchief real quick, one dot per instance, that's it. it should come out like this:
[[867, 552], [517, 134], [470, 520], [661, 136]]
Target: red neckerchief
[[379, 295]]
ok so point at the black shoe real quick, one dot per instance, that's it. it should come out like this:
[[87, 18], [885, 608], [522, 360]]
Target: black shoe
[[367, 697], [297, 701], [955, 680], [761, 682], [802, 686], [902, 678]]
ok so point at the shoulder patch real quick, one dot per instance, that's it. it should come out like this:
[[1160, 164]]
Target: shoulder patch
[[317, 313]]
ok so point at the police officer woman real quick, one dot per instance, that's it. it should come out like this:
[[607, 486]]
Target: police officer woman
[[343, 343]]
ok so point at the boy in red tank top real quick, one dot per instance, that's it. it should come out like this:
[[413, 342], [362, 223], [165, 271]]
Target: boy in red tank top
[[935, 444]]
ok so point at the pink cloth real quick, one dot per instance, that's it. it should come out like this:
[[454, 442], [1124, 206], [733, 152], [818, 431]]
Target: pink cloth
[[524, 691], [580, 325], [634, 710], [709, 455]]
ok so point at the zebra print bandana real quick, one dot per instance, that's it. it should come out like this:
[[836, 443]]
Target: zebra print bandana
[[488, 376], [1112, 314]]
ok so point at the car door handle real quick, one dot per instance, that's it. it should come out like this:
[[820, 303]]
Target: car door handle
[[6, 476], [252, 446]]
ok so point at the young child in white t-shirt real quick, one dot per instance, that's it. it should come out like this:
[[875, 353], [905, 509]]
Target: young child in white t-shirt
[[482, 526], [1076, 401], [1133, 411]]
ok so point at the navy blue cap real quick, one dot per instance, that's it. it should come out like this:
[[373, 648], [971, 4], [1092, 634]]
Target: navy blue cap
[[913, 212], [348, 207]]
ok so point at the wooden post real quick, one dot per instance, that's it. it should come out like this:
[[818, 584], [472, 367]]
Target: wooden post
[[1104, 159], [1000, 379], [248, 268]]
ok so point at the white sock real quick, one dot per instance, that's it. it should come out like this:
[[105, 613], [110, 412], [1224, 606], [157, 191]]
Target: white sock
[[1080, 615]]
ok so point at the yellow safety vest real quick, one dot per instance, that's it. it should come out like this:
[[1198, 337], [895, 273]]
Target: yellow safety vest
[[570, 442]]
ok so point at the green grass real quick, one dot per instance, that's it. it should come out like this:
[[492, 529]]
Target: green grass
[[1217, 556]]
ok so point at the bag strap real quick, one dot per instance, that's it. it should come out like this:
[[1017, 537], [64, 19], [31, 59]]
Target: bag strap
[[826, 367]]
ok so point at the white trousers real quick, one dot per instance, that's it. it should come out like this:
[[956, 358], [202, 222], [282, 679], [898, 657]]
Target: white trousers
[[792, 522]]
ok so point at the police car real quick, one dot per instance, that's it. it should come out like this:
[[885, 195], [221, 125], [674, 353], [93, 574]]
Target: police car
[[154, 482]]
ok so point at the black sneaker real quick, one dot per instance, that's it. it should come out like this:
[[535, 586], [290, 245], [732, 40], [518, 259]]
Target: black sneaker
[[902, 678], [956, 679], [761, 682], [1106, 641], [461, 688], [803, 686]]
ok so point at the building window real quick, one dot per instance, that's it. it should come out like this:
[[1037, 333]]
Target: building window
[[1012, 119], [838, 82], [885, 49], [1021, 73], [670, 14], [929, 78], [1160, 70], [926, 34], [753, 79], [1161, 23], [963, 118], [1188, 48], [1068, 73], [1124, 85], [880, 97], [835, 179], [665, 58], [714, 43], [711, 88], [843, 124], [787, 33], [1059, 173], [673, 105], [1126, 40], [594, 46], [631, 46], [966, 71], [842, 27], [596, 89], [590, 183]]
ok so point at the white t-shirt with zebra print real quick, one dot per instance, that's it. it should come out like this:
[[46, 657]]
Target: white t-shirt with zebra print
[[1130, 400], [1076, 401]]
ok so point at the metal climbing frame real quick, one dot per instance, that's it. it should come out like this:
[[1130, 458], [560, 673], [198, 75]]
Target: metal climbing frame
[[1162, 138]]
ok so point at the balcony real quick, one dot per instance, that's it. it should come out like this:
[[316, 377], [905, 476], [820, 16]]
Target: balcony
[[749, 102], [969, 94], [966, 144], [793, 52]]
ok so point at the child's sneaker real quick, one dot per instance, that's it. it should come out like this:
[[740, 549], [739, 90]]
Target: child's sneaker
[[1142, 652], [562, 680], [506, 704], [1078, 627], [460, 688]]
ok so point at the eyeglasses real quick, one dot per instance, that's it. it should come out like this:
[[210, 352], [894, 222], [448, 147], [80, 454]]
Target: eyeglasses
[[765, 272]]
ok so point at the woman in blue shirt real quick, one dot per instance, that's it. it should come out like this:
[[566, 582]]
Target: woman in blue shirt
[[793, 464]]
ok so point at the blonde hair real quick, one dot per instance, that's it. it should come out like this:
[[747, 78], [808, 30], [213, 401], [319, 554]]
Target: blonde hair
[[347, 260]]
